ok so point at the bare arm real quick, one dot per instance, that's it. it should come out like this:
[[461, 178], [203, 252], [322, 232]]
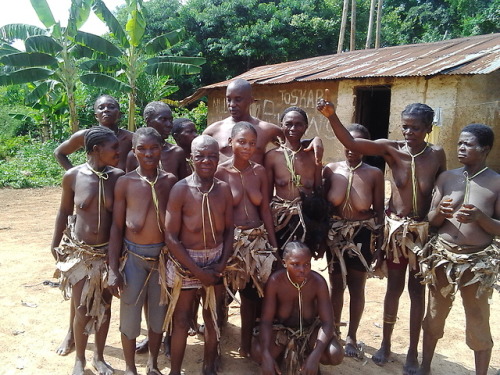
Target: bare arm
[[441, 207], [228, 237], [65, 209], [115, 280], [268, 165], [74, 143], [315, 144], [268, 364], [265, 211]]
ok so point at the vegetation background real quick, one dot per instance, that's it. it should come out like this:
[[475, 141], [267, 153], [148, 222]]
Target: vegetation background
[[206, 41]]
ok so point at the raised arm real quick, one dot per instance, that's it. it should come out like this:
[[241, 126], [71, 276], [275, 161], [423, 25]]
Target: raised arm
[[65, 209], [361, 145], [74, 143], [115, 280]]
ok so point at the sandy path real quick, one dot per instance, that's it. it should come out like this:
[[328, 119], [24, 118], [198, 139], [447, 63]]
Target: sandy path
[[35, 316]]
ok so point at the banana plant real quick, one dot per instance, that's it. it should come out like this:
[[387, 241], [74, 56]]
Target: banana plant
[[137, 56], [51, 53]]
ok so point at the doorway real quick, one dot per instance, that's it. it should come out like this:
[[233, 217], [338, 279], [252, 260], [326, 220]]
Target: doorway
[[372, 110]]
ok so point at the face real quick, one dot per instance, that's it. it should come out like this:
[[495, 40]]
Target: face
[[244, 144], [414, 130], [109, 152], [294, 126], [353, 157], [162, 121], [205, 160], [469, 150], [107, 112], [298, 265], [185, 137], [148, 152], [238, 102]]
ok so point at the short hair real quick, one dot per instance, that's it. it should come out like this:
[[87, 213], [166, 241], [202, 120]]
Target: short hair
[[146, 132], [292, 246], [242, 125], [360, 129], [107, 97], [295, 109], [203, 140], [179, 124], [483, 133], [240, 83], [420, 111], [152, 108], [96, 136]]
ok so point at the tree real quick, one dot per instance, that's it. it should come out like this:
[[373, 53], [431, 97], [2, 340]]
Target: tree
[[135, 56], [51, 54]]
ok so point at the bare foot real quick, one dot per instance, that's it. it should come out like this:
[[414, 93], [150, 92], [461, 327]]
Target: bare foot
[[381, 356], [102, 367], [411, 366], [142, 346], [79, 368], [67, 345], [243, 353], [422, 371], [153, 371], [129, 371], [352, 349]]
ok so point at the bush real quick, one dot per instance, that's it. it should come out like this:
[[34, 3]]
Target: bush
[[34, 165]]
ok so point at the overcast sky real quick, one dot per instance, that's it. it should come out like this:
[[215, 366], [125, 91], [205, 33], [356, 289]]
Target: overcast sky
[[21, 11]]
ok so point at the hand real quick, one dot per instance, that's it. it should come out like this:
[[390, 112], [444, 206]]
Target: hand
[[317, 145], [218, 268], [310, 366], [446, 207], [325, 105], [468, 213], [115, 282], [208, 276]]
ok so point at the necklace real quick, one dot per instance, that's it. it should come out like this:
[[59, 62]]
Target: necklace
[[205, 201], [153, 195], [102, 176], [289, 158], [299, 289], [347, 203], [467, 183], [414, 177]]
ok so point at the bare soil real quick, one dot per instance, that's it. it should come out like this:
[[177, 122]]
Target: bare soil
[[35, 317]]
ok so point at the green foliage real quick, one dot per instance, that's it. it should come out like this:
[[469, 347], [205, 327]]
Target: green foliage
[[198, 115], [33, 165]]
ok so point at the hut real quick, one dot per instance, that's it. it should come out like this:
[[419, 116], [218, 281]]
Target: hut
[[458, 78]]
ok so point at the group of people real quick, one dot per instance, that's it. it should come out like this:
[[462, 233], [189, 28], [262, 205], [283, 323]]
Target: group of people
[[239, 212]]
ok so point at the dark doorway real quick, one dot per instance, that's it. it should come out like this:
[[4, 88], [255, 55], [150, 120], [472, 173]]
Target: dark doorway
[[372, 110]]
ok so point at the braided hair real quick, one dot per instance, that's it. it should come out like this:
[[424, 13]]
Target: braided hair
[[106, 96], [242, 125], [292, 246], [96, 136], [295, 109], [420, 111], [152, 108], [146, 132]]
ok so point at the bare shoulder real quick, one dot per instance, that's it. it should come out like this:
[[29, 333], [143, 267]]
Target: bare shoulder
[[317, 281], [213, 128], [493, 179], [258, 169], [374, 171], [332, 166], [127, 134], [115, 172]]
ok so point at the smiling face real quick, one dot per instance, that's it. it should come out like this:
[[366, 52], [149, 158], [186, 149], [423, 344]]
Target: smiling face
[[107, 111], [205, 158], [162, 121], [297, 263], [294, 126], [147, 151], [244, 144], [414, 130]]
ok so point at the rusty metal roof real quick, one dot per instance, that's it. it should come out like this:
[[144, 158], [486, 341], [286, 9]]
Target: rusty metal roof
[[472, 55]]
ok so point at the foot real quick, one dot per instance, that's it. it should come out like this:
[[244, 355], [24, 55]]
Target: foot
[[244, 353], [411, 366], [130, 372], [422, 371], [102, 367], [352, 349], [153, 371], [142, 346], [381, 356], [79, 368], [67, 345]]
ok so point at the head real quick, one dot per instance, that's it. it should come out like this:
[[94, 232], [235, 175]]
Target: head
[[297, 261], [107, 111], [243, 140], [184, 131], [357, 131], [416, 121], [475, 142], [101, 143], [146, 146], [239, 98], [294, 123], [205, 156], [158, 115]]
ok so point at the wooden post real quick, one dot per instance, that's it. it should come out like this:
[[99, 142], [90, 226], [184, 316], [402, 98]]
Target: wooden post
[[370, 25], [379, 18], [353, 26], [342, 26]]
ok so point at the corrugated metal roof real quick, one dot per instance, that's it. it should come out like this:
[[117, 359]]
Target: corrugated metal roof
[[473, 55]]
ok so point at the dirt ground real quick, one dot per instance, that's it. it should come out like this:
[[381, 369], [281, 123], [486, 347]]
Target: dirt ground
[[34, 316]]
